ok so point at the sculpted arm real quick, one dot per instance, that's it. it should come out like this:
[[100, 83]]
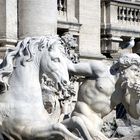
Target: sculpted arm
[[94, 68]]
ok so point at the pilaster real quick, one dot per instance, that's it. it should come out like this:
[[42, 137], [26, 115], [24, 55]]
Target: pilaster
[[37, 17], [8, 24]]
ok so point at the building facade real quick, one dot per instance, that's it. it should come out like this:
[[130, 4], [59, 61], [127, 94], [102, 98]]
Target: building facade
[[120, 20], [99, 25]]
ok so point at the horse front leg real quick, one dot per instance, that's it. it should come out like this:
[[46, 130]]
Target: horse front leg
[[38, 133]]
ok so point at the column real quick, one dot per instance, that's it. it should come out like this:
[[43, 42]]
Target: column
[[37, 17], [71, 9], [8, 24], [89, 17]]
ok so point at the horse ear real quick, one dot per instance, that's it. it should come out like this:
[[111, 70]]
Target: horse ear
[[51, 47]]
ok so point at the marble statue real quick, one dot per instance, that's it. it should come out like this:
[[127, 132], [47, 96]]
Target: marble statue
[[128, 66], [50, 97], [106, 86], [70, 46], [94, 95], [59, 102], [22, 114]]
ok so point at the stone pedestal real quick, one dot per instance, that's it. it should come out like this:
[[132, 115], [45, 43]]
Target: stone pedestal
[[37, 17]]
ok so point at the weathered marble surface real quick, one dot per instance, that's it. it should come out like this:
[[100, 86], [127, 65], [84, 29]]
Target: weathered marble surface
[[23, 115], [106, 84]]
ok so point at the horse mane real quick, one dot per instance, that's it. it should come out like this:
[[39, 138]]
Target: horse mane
[[27, 49]]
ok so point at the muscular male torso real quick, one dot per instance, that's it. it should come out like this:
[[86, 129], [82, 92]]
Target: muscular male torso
[[94, 99]]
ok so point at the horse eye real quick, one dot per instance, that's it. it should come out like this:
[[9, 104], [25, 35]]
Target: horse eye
[[56, 59]]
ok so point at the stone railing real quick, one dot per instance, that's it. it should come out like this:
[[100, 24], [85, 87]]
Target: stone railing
[[61, 5], [128, 14]]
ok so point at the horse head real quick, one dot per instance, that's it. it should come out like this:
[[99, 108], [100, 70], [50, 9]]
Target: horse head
[[54, 63]]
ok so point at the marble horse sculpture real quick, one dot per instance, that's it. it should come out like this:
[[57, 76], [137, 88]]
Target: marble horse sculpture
[[22, 114]]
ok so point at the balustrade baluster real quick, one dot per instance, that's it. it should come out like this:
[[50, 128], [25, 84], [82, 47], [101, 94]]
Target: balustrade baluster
[[59, 5], [131, 14], [125, 13], [64, 5], [121, 13], [134, 15], [138, 15], [118, 13], [128, 14]]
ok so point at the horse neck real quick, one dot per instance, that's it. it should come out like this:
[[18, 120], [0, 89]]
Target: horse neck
[[24, 82]]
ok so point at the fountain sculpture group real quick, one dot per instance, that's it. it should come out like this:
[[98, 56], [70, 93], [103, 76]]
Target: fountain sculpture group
[[106, 84]]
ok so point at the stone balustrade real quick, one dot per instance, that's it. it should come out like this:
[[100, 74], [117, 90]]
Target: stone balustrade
[[61, 5], [128, 14]]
